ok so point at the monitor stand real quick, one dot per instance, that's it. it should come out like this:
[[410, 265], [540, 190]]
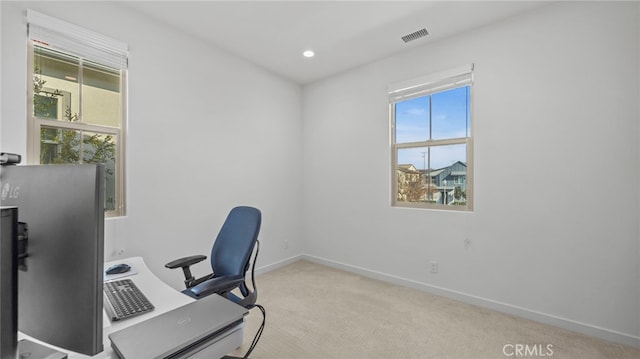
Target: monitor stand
[[33, 350]]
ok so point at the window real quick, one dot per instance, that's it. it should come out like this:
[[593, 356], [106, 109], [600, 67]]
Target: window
[[431, 141], [77, 101]]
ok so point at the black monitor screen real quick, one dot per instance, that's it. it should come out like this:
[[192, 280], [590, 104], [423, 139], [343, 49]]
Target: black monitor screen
[[8, 282], [60, 293]]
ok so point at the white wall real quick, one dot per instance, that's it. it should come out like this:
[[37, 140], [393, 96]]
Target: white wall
[[207, 131], [554, 233]]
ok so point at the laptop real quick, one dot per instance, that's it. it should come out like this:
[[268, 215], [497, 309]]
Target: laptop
[[180, 332]]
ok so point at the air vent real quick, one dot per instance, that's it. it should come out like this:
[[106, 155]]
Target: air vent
[[415, 35]]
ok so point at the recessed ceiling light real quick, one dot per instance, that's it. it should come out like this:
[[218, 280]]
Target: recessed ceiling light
[[308, 53]]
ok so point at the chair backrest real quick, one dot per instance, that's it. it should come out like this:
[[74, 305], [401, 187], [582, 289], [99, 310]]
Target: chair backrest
[[232, 249]]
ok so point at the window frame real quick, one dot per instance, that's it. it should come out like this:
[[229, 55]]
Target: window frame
[[35, 124], [422, 87]]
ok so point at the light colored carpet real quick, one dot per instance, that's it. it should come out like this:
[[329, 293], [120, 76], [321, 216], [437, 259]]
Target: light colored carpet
[[314, 311]]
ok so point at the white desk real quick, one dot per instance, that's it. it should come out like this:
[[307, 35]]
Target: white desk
[[163, 297]]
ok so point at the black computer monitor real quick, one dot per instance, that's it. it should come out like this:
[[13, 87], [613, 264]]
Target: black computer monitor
[[60, 292], [8, 282]]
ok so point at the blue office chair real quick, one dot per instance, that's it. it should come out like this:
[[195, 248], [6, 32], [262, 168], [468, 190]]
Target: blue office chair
[[230, 259]]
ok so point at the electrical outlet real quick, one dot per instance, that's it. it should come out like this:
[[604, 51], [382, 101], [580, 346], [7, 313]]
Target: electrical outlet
[[467, 243], [286, 244], [434, 267]]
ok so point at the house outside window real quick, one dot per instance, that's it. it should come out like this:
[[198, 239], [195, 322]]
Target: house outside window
[[431, 141]]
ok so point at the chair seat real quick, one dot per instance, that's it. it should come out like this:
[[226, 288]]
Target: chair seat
[[232, 297], [189, 293]]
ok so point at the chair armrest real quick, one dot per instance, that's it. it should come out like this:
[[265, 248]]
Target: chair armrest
[[185, 262], [217, 285]]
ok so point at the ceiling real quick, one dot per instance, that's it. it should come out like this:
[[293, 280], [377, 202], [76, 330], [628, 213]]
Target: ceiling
[[343, 34]]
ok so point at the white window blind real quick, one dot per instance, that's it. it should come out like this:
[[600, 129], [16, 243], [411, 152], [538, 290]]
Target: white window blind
[[433, 83], [67, 37]]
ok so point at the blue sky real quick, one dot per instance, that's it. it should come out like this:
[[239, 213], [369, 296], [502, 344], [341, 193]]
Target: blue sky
[[449, 119]]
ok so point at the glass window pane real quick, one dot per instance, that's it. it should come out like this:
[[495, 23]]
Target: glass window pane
[[444, 156], [449, 173], [101, 148], [450, 113], [101, 95], [55, 85], [59, 146], [412, 176], [46, 106], [412, 120], [65, 146], [416, 157], [434, 174]]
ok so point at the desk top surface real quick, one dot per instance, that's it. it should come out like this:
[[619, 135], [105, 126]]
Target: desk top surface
[[163, 296]]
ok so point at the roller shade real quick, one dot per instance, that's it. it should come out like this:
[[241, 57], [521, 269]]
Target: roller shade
[[61, 35], [429, 84]]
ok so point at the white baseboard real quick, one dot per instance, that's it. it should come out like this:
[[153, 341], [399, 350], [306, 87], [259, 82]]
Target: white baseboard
[[273, 266], [583, 328]]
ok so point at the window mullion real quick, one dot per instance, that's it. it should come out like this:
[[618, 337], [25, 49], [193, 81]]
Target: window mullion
[[448, 141], [80, 82], [428, 173], [430, 119], [33, 130], [76, 126]]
